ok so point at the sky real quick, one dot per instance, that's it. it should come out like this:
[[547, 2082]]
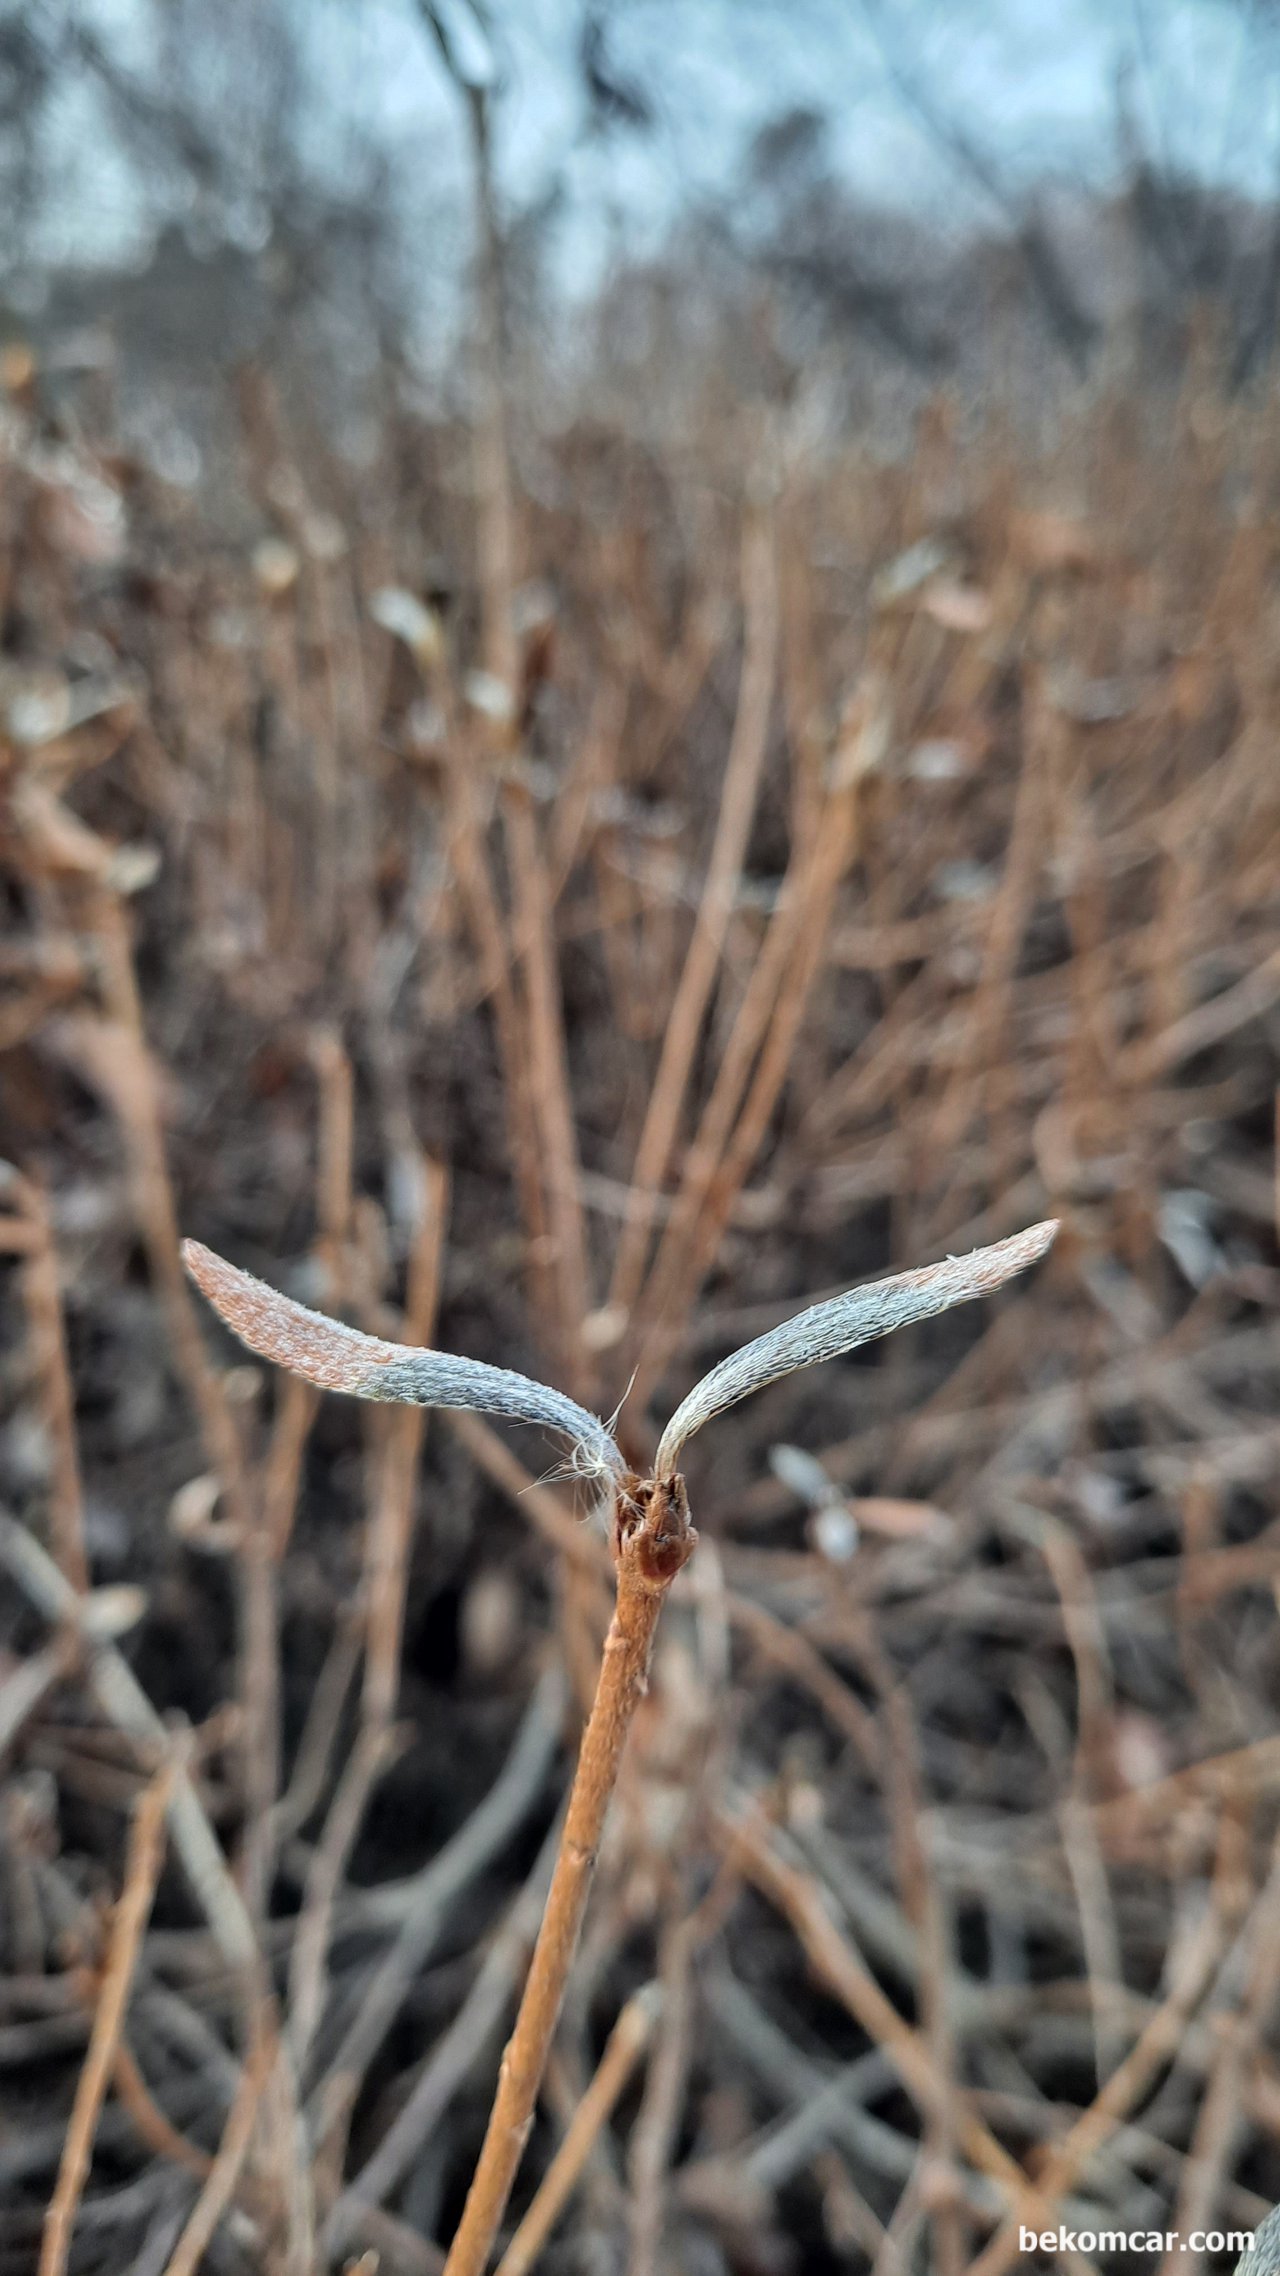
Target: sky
[[1034, 83], [1035, 79]]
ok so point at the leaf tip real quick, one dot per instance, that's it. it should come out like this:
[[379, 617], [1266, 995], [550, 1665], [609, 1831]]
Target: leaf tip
[[989, 1268], [1039, 1239], [324, 1351], [196, 1260]]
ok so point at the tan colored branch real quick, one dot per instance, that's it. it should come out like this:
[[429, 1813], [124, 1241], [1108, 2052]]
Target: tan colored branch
[[627, 2042], [224, 2172], [142, 1871], [654, 1539]]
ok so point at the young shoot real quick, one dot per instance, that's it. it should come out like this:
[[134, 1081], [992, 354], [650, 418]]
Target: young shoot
[[338, 1358], [652, 1539]]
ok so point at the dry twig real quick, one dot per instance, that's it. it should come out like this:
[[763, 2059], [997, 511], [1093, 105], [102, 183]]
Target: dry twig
[[142, 1871]]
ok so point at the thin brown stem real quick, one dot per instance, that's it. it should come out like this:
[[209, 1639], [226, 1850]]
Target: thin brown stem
[[386, 1576], [42, 1288], [266, 1538], [154, 2127], [657, 2123], [841, 1968], [142, 1871], [697, 979], [721, 1160], [550, 1093], [627, 2042], [224, 2172], [1127, 2083], [120, 1062], [654, 1539]]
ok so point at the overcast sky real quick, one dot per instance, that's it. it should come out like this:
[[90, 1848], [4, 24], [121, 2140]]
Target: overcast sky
[[1034, 82]]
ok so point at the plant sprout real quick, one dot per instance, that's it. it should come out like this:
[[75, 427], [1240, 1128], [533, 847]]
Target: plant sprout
[[652, 1539]]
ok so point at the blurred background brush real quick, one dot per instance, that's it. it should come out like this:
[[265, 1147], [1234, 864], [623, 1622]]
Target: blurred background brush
[[630, 696]]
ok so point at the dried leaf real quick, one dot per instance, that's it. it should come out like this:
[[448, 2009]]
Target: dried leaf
[[956, 607]]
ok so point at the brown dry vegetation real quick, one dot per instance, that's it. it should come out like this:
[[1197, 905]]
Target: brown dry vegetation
[[885, 856]]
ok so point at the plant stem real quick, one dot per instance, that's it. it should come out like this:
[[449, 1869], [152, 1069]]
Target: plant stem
[[627, 2042], [653, 1539]]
